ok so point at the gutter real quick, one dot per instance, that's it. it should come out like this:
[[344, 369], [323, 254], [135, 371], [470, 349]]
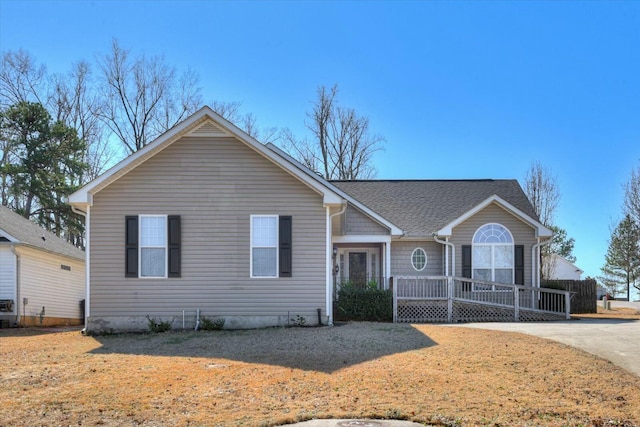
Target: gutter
[[18, 301], [86, 263], [453, 254], [330, 259]]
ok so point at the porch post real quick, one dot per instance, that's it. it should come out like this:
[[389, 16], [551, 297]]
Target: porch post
[[329, 269], [516, 303], [395, 303], [450, 299], [387, 263]]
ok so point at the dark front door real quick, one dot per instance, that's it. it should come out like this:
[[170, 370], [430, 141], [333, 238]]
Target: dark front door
[[358, 268]]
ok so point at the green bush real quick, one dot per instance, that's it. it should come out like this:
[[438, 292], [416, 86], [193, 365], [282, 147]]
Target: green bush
[[364, 303], [158, 326], [207, 324]]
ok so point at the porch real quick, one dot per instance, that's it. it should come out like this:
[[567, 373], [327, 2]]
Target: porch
[[457, 299]]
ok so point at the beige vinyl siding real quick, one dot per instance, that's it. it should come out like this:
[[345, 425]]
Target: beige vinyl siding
[[523, 234], [47, 285], [358, 223], [7, 275], [401, 258], [337, 223], [215, 185]]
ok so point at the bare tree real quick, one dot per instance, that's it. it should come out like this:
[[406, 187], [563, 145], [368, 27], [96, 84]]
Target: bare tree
[[21, 79], [541, 189], [143, 96], [247, 122], [73, 102], [342, 146]]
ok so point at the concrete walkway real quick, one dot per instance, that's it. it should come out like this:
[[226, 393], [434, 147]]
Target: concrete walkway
[[617, 340], [356, 423]]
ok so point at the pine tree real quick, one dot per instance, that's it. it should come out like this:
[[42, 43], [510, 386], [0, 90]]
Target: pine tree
[[622, 261], [47, 157]]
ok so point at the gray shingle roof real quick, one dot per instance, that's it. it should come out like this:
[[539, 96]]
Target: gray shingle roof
[[31, 234], [421, 207]]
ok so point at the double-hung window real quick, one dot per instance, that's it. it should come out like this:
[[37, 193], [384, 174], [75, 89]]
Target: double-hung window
[[152, 246], [270, 246]]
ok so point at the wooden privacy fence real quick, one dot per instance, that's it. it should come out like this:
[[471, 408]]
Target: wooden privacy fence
[[584, 293], [458, 299]]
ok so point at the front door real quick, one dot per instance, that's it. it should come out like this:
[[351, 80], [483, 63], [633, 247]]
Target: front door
[[358, 268]]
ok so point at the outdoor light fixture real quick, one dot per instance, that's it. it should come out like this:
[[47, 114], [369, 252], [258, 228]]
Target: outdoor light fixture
[[335, 251]]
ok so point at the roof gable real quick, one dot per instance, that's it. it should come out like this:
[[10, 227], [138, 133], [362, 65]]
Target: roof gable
[[203, 123], [16, 229], [541, 231]]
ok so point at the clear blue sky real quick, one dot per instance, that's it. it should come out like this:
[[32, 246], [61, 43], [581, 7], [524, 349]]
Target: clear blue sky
[[460, 89]]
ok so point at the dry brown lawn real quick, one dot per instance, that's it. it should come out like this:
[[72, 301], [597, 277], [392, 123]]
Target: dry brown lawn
[[425, 373]]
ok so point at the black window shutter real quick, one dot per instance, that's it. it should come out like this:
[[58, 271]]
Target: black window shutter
[[174, 245], [285, 240], [131, 246], [519, 264], [466, 261]]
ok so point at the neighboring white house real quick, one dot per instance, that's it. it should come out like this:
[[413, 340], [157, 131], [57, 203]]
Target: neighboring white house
[[42, 277], [559, 268]]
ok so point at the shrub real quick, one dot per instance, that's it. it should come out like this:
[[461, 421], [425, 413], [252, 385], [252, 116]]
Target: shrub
[[207, 324], [158, 325], [364, 303], [298, 321]]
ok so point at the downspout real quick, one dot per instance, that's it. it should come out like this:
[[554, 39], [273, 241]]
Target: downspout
[[453, 254], [18, 301], [330, 265], [86, 263], [535, 251]]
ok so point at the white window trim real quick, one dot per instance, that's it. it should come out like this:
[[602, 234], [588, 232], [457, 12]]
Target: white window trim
[[165, 247], [493, 252], [251, 247], [426, 259]]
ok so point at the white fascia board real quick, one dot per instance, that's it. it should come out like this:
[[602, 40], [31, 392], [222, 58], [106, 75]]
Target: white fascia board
[[541, 230], [8, 236], [367, 238], [394, 230]]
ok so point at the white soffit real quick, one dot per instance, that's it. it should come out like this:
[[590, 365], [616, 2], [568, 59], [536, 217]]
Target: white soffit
[[207, 129]]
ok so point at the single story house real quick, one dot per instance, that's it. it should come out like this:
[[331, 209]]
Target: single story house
[[42, 277], [556, 267], [207, 219]]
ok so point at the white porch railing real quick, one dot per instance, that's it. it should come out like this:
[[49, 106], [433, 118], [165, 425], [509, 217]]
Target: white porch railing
[[458, 299]]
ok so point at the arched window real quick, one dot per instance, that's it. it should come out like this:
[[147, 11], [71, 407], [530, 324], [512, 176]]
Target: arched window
[[493, 254], [419, 259]]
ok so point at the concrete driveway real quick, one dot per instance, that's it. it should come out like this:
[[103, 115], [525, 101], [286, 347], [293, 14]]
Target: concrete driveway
[[617, 340]]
